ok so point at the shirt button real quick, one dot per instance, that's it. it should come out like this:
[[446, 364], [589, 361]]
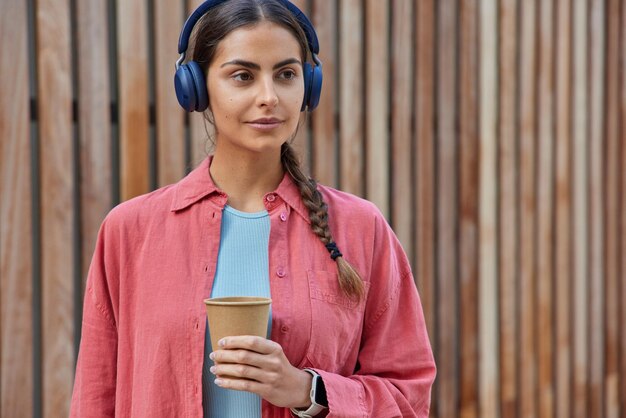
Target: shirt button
[[284, 329], [280, 272], [283, 216], [271, 197]]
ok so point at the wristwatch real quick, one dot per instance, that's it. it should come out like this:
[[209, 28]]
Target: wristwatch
[[318, 397]]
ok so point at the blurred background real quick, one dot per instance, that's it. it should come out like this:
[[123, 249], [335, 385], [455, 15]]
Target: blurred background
[[491, 133]]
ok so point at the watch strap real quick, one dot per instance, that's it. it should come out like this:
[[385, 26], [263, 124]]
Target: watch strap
[[315, 408]]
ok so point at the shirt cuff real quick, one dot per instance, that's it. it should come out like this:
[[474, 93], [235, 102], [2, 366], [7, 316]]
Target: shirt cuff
[[346, 397]]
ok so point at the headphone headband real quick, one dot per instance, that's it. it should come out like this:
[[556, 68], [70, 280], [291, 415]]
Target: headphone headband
[[303, 20]]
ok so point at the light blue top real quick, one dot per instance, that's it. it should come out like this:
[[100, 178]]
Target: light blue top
[[242, 270]]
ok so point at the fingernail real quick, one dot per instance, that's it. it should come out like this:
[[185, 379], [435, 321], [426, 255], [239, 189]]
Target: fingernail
[[222, 342], [218, 382], [212, 356], [212, 369]]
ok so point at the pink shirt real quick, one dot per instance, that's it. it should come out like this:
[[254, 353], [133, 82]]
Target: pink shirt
[[142, 346]]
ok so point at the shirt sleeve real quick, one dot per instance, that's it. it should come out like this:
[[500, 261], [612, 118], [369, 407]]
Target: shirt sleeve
[[95, 380], [396, 368]]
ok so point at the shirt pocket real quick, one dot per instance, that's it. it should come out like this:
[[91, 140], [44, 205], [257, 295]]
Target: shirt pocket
[[336, 323]]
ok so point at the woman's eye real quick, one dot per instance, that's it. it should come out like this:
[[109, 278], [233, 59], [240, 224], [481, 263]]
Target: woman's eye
[[242, 77], [288, 75]]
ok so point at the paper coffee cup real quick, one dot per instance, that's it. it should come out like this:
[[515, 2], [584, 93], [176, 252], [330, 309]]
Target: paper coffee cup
[[241, 315]]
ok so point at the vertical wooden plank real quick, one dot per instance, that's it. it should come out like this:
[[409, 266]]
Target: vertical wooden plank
[[508, 227], [95, 119], [16, 316], [424, 167], [351, 97], [132, 20], [55, 112], [545, 208], [580, 170], [469, 152], [563, 211], [169, 115], [446, 158], [622, 228], [302, 142], [527, 126], [377, 112], [611, 217], [597, 45], [622, 211], [323, 119], [402, 212], [488, 307]]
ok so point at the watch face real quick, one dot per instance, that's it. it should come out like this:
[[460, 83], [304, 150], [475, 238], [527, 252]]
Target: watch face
[[320, 392]]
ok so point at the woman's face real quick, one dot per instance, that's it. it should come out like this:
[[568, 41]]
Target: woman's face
[[256, 88]]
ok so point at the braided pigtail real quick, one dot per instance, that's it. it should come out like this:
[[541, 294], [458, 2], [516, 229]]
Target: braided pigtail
[[349, 280]]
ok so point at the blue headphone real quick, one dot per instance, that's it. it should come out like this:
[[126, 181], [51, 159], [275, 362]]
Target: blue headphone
[[189, 82]]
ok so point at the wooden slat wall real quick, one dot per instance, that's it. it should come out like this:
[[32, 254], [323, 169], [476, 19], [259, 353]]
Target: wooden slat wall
[[57, 162], [563, 204], [508, 211], [580, 210], [446, 185], [490, 133], [468, 208], [16, 206]]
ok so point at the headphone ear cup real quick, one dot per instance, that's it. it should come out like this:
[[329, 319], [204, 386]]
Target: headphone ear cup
[[312, 86], [316, 87], [202, 95], [185, 89]]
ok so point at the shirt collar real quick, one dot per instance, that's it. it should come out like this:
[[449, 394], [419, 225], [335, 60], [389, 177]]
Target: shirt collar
[[198, 185]]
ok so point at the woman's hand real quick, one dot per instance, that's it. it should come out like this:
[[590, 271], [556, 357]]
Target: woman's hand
[[257, 365]]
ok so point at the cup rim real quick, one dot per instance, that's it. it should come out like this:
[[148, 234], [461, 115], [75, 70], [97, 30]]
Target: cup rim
[[238, 301]]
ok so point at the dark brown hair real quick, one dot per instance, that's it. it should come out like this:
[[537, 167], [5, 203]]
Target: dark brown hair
[[218, 22]]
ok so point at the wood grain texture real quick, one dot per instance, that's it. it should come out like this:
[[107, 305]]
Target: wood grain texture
[[425, 166], [447, 208], [622, 210], [169, 115], [508, 227], [527, 135], [94, 122], [55, 112], [377, 137], [580, 176], [488, 253], [611, 216], [469, 154], [323, 120], [597, 45], [16, 314], [563, 213], [402, 209], [545, 208], [132, 20], [351, 112]]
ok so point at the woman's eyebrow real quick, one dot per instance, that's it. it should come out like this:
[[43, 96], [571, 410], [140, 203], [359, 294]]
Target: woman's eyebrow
[[255, 66]]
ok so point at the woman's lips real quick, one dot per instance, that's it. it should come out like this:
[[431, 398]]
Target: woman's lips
[[265, 125]]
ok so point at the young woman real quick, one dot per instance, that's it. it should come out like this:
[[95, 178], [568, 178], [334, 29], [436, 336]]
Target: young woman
[[347, 334]]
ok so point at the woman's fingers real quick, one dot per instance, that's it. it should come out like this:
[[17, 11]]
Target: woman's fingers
[[240, 371], [248, 342]]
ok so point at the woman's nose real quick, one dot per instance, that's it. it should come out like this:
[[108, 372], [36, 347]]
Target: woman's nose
[[267, 95]]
